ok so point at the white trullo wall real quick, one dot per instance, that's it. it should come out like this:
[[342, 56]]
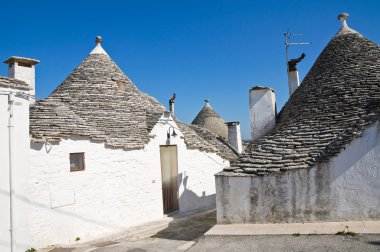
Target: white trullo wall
[[20, 167], [345, 188], [118, 188]]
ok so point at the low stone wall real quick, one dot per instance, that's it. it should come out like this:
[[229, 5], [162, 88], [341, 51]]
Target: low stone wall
[[345, 188]]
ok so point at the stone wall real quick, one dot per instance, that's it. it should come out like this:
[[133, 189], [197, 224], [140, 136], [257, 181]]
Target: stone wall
[[118, 188], [345, 188]]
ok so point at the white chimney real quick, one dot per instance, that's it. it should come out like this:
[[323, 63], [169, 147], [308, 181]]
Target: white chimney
[[293, 81], [23, 69], [293, 77], [234, 135], [171, 108], [171, 104], [262, 108]]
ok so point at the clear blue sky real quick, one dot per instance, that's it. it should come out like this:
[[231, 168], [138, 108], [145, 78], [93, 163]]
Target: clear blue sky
[[198, 49]]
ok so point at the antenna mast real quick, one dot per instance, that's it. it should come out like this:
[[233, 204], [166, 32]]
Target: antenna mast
[[287, 44]]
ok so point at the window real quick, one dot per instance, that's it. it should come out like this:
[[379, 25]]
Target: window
[[24, 64], [76, 162]]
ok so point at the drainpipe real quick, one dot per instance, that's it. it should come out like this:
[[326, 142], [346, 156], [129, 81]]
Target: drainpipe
[[11, 98]]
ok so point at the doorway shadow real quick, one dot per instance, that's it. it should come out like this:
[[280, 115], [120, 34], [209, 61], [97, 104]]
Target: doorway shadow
[[188, 228], [376, 243]]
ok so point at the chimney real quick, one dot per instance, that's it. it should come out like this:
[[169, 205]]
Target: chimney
[[293, 77], [23, 69], [171, 104], [262, 108], [234, 135]]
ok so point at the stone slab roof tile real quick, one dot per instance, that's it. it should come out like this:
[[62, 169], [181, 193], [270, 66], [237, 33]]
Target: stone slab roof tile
[[6, 82]]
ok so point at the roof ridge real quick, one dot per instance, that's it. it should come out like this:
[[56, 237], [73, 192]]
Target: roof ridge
[[208, 142]]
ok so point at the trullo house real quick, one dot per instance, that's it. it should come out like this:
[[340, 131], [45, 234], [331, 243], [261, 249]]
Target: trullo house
[[321, 161], [103, 156], [209, 119]]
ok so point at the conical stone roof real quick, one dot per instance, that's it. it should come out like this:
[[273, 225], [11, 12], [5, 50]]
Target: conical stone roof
[[337, 100], [97, 100], [209, 119]]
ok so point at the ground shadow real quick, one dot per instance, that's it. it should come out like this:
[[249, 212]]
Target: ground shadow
[[188, 229], [376, 243]]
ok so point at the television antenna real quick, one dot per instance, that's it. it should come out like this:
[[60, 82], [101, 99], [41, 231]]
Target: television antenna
[[287, 44]]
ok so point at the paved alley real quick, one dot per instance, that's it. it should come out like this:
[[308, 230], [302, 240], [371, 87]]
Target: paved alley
[[175, 233]]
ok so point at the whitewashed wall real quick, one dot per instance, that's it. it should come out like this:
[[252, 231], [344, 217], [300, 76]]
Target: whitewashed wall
[[262, 111], [118, 189], [345, 188], [20, 172]]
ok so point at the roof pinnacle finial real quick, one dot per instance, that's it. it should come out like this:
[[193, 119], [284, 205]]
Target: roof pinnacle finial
[[343, 17], [345, 29], [98, 40], [98, 48]]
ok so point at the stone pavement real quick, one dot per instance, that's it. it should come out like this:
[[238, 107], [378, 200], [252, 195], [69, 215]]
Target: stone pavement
[[186, 233], [174, 233], [287, 243]]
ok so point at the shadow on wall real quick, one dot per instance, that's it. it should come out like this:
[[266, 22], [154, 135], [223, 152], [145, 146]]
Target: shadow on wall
[[189, 200], [188, 229]]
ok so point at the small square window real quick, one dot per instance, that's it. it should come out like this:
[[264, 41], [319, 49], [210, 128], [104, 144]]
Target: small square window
[[24, 64], [76, 162]]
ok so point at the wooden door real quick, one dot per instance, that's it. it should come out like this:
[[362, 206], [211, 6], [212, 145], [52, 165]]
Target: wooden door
[[169, 172]]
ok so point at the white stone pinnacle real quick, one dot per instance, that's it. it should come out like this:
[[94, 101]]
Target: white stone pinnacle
[[345, 29], [98, 48]]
